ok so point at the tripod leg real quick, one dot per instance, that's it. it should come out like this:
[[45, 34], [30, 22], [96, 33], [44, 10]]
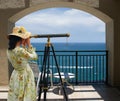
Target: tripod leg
[[40, 84], [65, 95], [46, 74], [43, 72]]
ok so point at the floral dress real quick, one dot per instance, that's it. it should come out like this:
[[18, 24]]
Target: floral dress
[[22, 83]]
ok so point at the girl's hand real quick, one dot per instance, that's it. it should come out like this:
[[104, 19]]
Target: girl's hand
[[27, 41], [23, 43]]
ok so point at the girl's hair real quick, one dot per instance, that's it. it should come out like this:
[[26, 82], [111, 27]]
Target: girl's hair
[[13, 41]]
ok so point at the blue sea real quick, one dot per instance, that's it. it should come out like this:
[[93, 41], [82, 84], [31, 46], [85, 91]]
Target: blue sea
[[86, 60], [72, 46]]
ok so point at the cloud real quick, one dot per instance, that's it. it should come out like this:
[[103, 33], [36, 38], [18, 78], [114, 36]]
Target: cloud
[[60, 20]]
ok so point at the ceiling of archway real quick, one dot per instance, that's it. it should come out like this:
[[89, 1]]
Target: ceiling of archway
[[4, 4]]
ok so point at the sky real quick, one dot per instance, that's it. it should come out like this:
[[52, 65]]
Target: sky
[[82, 26]]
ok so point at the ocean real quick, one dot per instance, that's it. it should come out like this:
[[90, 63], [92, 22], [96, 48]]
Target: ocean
[[86, 60], [72, 46]]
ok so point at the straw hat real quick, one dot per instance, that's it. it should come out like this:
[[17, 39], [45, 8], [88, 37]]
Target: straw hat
[[20, 31]]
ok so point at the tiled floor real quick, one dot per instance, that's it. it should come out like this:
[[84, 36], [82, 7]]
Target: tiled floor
[[80, 93], [3, 93]]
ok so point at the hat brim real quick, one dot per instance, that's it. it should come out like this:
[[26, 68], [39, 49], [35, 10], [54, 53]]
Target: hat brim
[[23, 36]]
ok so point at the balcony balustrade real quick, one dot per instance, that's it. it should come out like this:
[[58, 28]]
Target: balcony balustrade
[[88, 66]]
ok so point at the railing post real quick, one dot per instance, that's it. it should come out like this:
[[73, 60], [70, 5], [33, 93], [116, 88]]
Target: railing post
[[76, 67], [106, 67]]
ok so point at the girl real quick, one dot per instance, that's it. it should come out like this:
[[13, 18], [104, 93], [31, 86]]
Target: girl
[[22, 84]]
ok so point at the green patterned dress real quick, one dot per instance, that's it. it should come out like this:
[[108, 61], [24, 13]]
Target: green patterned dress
[[22, 83]]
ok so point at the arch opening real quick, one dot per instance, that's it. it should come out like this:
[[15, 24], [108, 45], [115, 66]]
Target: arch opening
[[108, 21]]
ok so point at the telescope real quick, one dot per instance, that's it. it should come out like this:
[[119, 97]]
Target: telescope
[[50, 35], [43, 77]]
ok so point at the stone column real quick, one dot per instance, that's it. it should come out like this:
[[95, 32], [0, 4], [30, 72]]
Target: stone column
[[110, 48], [3, 47], [117, 51], [111, 8], [10, 67]]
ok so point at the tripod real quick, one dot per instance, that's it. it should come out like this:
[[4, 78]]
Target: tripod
[[43, 83]]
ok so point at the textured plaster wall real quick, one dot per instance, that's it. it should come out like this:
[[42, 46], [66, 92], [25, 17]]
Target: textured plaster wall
[[111, 8], [5, 4], [93, 3], [3, 57]]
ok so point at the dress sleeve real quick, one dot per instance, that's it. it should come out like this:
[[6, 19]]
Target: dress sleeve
[[29, 53]]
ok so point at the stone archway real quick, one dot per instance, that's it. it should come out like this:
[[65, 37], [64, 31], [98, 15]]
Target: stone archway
[[108, 21]]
